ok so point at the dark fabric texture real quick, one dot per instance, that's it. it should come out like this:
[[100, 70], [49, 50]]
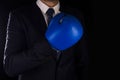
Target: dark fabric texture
[[4, 12]]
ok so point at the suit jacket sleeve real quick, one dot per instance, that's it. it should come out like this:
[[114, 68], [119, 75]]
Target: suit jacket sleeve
[[17, 58], [82, 59], [82, 51]]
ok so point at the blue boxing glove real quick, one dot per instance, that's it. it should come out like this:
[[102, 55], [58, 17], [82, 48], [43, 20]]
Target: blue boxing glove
[[64, 31]]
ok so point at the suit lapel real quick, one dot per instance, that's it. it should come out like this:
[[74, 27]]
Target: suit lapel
[[37, 19]]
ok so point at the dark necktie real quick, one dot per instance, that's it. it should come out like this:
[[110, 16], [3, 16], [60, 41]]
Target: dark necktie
[[49, 13]]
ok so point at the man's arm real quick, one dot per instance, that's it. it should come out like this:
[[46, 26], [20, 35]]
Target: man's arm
[[82, 59], [16, 58], [82, 50]]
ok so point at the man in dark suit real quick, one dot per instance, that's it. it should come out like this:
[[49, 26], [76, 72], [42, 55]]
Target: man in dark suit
[[29, 55]]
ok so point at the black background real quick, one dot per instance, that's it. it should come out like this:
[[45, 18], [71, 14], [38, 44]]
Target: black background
[[89, 9]]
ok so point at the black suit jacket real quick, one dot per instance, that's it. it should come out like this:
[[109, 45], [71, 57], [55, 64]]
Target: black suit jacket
[[29, 55]]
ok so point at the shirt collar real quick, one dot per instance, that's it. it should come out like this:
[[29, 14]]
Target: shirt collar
[[44, 7]]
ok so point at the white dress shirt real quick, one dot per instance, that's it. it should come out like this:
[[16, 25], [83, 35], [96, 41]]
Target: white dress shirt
[[43, 7]]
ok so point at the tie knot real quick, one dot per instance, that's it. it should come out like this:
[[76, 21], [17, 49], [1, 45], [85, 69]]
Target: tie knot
[[50, 12]]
